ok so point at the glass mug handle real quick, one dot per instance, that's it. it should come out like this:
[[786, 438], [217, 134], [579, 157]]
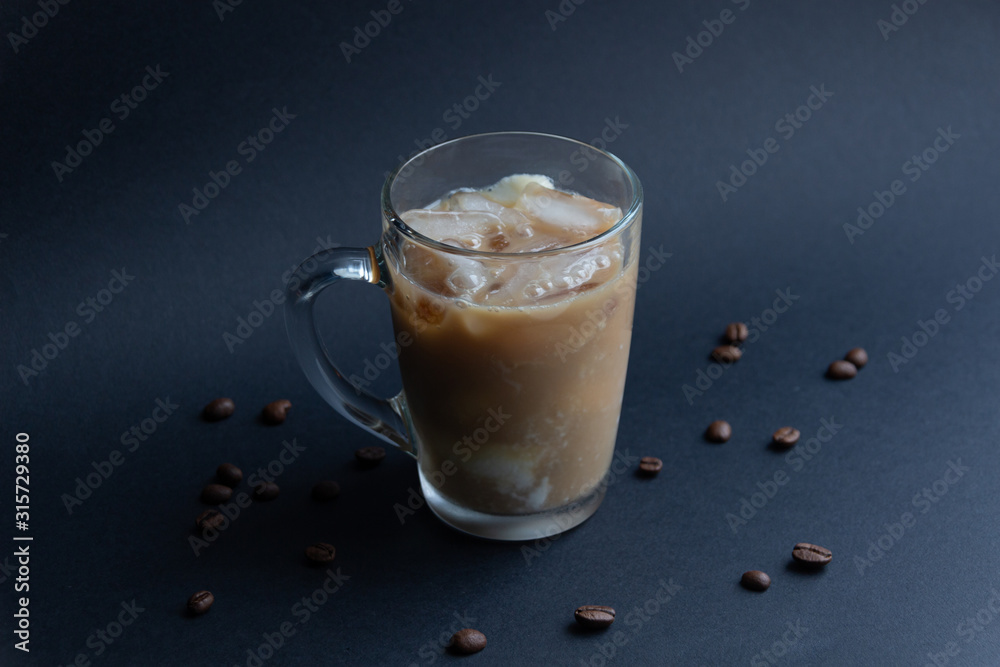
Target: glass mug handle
[[379, 416]]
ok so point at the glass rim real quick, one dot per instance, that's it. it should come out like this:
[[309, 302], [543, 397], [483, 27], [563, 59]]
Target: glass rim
[[390, 214]]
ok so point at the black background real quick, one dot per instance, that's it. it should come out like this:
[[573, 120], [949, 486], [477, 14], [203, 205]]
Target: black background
[[318, 183]]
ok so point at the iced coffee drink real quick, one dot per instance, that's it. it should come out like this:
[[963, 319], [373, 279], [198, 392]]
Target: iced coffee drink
[[513, 370]]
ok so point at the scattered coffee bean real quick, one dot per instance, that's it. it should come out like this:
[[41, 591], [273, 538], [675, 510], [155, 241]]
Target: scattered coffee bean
[[369, 457], [841, 370], [719, 431], [857, 356], [727, 354], [786, 437], [265, 491], [810, 554], [755, 580], [594, 616], [210, 520], [276, 411], [326, 490], [229, 474], [321, 552], [468, 641], [218, 409], [649, 466], [200, 602], [736, 332], [216, 494]]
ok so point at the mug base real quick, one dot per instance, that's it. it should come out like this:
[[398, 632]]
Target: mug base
[[513, 528]]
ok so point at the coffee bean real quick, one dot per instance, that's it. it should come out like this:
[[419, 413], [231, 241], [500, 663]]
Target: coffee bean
[[200, 602], [325, 490], [736, 332], [265, 491], [857, 356], [719, 431], [468, 641], [321, 552], [594, 616], [229, 474], [218, 409], [810, 554], [369, 457], [841, 370], [727, 354], [216, 494], [755, 580], [210, 520], [786, 437], [650, 465], [276, 411]]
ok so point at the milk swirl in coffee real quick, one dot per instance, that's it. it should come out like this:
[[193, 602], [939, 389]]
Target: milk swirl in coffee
[[514, 360]]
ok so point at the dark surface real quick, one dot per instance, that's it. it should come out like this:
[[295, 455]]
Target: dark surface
[[405, 586]]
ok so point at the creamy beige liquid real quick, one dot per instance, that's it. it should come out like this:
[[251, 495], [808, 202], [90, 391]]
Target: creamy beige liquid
[[514, 367]]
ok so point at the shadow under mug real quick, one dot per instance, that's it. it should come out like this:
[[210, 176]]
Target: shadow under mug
[[510, 411]]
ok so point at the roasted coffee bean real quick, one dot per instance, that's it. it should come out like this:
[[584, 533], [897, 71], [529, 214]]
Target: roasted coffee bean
[[755, 580], [810, 554], [369, 457], [325, 490], [650, 465], [727, 354], [841, 370], [210, 520], [719, 431], [468, 641], [857, 356], [200, 602], [736, 332], [218, 409], [786, 437], [594, 616], [276, 411], [321, 552], [229, 474], [265, 491], [216, 494]]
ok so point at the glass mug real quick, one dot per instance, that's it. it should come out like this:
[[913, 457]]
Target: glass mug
[[511, 412]]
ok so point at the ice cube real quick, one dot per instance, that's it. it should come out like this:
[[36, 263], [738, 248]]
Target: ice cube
[[583, 269], [504, 282], [424, 266], [536, 289], [581, 216], [561, 276], [468, 277], [467, 227], [509, 188], [474, 201], [525, 236], [467, 241], [516, 222]]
